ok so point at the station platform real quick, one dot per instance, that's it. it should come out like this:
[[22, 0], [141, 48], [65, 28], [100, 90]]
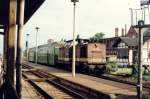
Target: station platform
[[108, 87]]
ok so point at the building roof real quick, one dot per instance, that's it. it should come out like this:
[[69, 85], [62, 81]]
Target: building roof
[[30, 8], [134, 31], [130, 41]]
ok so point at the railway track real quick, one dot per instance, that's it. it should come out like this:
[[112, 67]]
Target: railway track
[[108, 78], [51, 87], [84, 91]]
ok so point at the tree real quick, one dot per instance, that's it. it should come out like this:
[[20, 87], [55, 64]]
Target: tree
[[97, 37]]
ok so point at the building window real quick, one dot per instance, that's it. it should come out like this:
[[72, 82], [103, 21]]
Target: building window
[[121, 45], [122, 54]]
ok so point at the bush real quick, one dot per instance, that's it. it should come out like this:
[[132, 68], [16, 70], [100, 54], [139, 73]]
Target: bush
[[112, 67], [134, 69]]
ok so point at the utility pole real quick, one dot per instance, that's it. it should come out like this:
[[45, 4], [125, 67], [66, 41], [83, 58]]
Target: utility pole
[[36, 50], [149, 14], [136, 18], [74, 54], [144, 13], [131, 12], [27, 45], [136, 15]]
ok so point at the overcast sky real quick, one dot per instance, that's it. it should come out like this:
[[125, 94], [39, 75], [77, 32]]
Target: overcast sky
[[55, 19]]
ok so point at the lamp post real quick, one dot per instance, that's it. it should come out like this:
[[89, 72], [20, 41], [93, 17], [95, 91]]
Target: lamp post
[[74, 56], [140, 25], [27, 45], [140, 47], [36, 50]]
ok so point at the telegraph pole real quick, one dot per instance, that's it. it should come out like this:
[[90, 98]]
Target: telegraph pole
[[149, 14], [36, 50], [131, 11], [27, 45], [74, 55]]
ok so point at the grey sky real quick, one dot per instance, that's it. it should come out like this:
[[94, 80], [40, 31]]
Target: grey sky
[[54, 18]]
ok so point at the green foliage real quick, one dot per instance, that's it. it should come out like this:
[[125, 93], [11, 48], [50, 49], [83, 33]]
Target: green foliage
[[134, 69], [112, 67], [97, 37]]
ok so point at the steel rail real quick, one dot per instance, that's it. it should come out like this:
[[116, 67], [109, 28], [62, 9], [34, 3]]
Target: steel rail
[[59, 85], [40, 90]]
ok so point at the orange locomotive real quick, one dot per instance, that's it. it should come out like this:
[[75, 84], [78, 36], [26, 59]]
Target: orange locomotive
[[90, 57]]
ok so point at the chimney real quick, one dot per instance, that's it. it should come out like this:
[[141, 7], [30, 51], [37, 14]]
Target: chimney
[[116, 32], [125, 30], [122, 31]]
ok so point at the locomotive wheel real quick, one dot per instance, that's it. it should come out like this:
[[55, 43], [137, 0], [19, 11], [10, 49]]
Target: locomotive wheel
[[96, 71], [86, 70], [100, 69]]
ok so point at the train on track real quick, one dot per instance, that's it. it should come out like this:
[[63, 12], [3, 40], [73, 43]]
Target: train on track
[[90, 57]]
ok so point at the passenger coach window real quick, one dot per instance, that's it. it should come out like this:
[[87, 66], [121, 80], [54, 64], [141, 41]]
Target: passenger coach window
[[83, 52]]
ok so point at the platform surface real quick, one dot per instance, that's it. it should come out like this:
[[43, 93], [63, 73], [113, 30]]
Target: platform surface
[[102, 85]]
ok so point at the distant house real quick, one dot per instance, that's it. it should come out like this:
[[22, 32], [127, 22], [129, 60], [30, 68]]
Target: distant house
[[124, 49], [146, 42]]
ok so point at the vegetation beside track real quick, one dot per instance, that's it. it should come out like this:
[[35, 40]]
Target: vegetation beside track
[[127, 74]]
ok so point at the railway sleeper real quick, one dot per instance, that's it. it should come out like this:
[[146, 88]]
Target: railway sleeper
[[39, 90], [87, 92], [72, 92]]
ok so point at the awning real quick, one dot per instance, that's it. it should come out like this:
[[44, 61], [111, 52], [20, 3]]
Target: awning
[[31, 7]]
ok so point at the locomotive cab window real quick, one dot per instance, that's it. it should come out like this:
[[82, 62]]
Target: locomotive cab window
[[83, 51]]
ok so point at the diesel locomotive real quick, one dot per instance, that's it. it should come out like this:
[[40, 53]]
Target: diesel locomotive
[[90, 57]]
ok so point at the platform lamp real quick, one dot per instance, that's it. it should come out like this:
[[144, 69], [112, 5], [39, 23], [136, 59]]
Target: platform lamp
[[140, 26], [74, 56], [27, 45], [37, 29], [140, 64]]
